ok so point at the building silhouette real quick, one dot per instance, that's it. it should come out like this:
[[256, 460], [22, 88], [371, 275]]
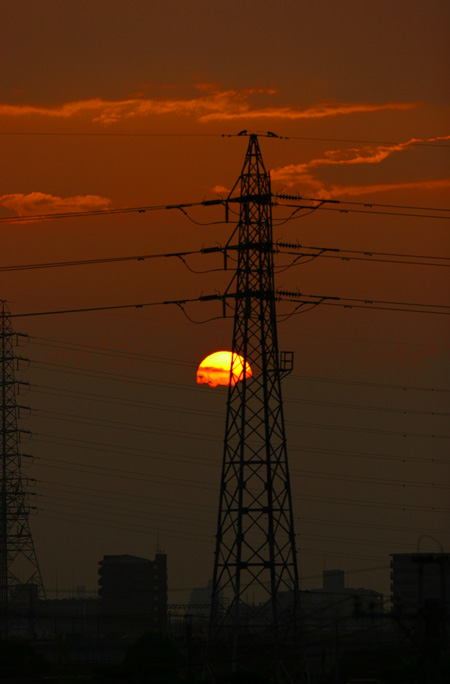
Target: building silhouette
[[132, 599], [133, 595], [334, 601], [420, 581]]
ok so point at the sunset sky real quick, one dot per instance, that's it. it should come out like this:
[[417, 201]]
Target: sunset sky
[[108, 104]]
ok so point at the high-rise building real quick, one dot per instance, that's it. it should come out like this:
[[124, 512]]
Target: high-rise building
[[133, 592]]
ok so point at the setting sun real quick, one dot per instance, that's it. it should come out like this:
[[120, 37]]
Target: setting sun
[[214, 370]]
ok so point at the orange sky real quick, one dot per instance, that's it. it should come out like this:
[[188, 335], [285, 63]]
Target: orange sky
[[109, 104]]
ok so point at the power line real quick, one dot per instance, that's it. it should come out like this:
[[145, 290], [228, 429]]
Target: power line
[[368, 503], [377, 212], [129, 512], [143, 529], [120, 425], [74, 370], [161, 502], [153, 406], [111, 260], [164, 455], [368, 384], [367, 255], [63, 504], [346, 453], [346, 428], [358, 542], [364, 407], [366, 259], [107, 375], [356, 303], [281, 295], [323, 200], [177, 302], [103, 447], [110, 212], [323, 475], [105, 351], [113, 134], [150, 455], [363, 255], [181, 482], [101, 522], [366, 525], [145, 453], [125, 474], [119, 401], [177, 504], [224, 202]]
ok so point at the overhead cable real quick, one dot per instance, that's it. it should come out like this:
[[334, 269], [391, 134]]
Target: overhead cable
[[345, 210], [145, 134], [279, 248], [182, 206], [281, 295], [322, 200], [108, 375]]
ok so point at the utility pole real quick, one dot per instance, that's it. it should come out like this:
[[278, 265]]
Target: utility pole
[[20, 576], [255, 581]]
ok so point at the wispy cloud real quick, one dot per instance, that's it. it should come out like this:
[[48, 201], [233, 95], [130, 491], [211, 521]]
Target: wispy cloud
[[40, 203], [318, 112], [209, 103], [220, 190], [356, 190], [304, 175]]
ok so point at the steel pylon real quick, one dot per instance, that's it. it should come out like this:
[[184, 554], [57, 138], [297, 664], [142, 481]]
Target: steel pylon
[[255, 581], [20, 576]]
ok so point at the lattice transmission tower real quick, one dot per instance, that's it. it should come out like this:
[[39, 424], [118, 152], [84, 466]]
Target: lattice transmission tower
[[255, 581], [20, 576]]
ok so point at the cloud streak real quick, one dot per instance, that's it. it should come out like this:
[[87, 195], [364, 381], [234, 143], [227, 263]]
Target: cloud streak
[[357, 190], [37, 203], [319, 112], [304, 175], [209, 104]]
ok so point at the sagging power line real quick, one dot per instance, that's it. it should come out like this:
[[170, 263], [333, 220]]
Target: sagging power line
[[291, 249]]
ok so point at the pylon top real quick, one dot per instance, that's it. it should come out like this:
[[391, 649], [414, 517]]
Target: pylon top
[[260, 134]]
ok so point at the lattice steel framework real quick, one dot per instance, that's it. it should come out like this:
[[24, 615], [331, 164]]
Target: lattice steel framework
[[20, 575], [255, 582]]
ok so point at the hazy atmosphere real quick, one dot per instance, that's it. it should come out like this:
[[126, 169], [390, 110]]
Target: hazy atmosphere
[[106, 105]]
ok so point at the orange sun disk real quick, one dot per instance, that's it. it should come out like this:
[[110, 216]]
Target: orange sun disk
[[214, 370]]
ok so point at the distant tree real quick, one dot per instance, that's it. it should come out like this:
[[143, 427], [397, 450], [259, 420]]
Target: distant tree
[[246, 677], [19, 659], [152, 659]]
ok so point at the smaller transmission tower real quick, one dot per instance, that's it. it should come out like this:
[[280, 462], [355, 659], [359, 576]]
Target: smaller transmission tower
[[20, 576]]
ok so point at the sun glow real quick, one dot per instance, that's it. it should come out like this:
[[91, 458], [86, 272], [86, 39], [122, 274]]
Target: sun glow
[[214, 370]]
